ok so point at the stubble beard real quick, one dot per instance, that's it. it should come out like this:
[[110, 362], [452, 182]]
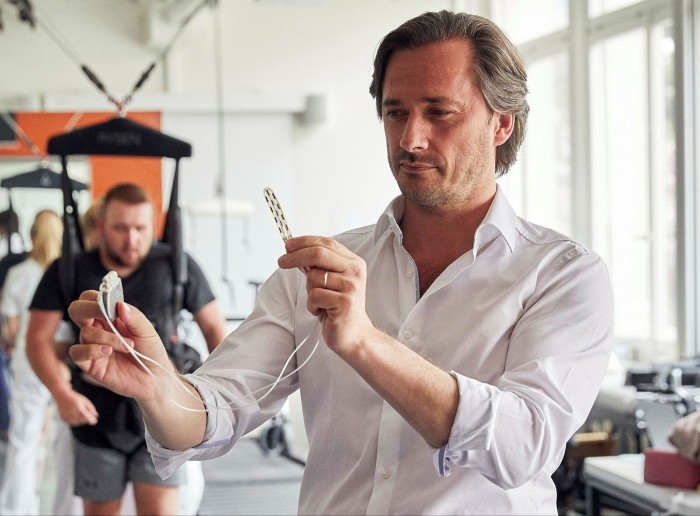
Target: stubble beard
[[117, 259], [433, 197]]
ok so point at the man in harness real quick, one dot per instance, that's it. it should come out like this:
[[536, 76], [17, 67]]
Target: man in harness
[[109, 432]]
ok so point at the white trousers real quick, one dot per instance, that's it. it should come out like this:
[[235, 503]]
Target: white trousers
[[28, 405], [20, 488]]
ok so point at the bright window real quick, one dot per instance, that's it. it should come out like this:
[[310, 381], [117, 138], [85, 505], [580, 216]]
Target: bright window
[[621, 67], [539, 186], [552, 15], [598, 7], [633, 185]]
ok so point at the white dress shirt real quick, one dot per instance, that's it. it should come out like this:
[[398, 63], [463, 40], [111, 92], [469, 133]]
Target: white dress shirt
[[523, 322]]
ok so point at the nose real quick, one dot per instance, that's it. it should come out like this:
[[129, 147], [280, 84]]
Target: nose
[[133, 236], [415, 134]]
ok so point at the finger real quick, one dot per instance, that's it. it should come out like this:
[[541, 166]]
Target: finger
[[96, 334], [294, 244], [135, 322], [89, 295], [83, 311], [315, 257], [325, 280], [88, 412], [84, 354], [324, 301]]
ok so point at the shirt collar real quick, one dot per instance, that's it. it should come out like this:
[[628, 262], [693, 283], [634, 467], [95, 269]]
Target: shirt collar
[[500, 216], [390, 218]]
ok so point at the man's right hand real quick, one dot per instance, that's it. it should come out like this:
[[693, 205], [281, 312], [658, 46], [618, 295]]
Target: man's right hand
[[75, 409], [105, 358]]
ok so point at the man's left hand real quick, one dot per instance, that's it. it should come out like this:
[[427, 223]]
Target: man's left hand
[[336, 284]]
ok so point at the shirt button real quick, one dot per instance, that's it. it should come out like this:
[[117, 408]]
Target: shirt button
[[409, 272], [407, 334], [386, 474]]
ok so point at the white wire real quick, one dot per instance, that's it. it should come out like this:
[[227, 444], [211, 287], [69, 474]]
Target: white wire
[[138, 356], [272, 385]]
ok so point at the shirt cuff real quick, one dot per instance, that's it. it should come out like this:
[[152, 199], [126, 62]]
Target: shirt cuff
[[167, 461], [441, 461]]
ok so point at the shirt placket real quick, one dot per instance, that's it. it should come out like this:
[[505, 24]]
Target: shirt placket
[[385, 470], [391, 423]]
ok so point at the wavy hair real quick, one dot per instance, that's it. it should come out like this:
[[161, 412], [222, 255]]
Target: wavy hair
[[500, 69]]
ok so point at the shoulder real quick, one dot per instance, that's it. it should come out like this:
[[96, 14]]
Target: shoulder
[[28, 267], [560, 260], [358, 238], [160, 250], [542, 240], [25, 265], [9, 261]]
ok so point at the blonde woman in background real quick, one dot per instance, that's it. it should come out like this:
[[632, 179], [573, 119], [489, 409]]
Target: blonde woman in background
[[30, 399]]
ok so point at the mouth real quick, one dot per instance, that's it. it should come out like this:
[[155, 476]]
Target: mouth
[[414, 168]]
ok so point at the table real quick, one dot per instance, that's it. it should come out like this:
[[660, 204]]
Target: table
[[618, 482]]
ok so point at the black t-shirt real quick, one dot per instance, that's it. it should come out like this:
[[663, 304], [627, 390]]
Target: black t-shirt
[[151, 289]]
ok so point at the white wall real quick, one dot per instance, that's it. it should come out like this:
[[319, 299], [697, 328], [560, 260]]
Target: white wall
[[340, 176], [329, 177], [333, 175]]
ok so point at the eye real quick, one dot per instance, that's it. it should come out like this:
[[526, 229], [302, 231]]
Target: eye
[[393, 114], [440, 113]]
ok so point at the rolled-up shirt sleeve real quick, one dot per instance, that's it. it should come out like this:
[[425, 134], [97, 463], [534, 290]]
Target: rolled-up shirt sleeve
[[218, 436], [557, 356], [233, 380]]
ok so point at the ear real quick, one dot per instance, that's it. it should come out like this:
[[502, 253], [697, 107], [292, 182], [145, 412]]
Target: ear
[[504, 127]]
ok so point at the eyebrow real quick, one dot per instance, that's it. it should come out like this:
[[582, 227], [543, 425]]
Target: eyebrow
[[428, 100]]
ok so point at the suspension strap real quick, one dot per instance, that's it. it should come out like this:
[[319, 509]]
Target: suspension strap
[[33, 18]]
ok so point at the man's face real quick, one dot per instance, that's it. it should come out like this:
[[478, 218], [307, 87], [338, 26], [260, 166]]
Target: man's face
[[127, 233], [441, 136]]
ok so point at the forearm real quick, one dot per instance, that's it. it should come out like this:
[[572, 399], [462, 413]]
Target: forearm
[[212, 325], [41, 351], [171, 425], [47, 366], [424, 395], [213, 336]]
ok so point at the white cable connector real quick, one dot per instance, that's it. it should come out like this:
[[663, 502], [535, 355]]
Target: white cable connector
[[111, 292]]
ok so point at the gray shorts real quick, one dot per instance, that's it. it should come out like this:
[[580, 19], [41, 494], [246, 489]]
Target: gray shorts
[[101, 474]]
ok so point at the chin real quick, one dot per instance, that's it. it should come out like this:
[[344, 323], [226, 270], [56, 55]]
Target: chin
[[130, 261]]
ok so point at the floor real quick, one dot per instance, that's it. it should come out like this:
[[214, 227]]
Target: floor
[[245, 481]]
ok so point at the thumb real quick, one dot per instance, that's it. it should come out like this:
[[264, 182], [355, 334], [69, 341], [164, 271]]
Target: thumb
[[135, 321]]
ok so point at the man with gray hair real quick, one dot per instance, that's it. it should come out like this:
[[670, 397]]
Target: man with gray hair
[[459, 346]]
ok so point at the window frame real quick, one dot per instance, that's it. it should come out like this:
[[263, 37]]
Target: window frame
[[578, 39]]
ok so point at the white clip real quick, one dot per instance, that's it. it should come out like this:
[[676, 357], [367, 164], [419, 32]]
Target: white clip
[[111, 292]]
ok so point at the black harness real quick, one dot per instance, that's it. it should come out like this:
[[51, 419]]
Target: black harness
[[119, 137]]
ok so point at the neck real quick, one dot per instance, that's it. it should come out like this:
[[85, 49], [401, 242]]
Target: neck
[[449, 231], [435, 239]]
